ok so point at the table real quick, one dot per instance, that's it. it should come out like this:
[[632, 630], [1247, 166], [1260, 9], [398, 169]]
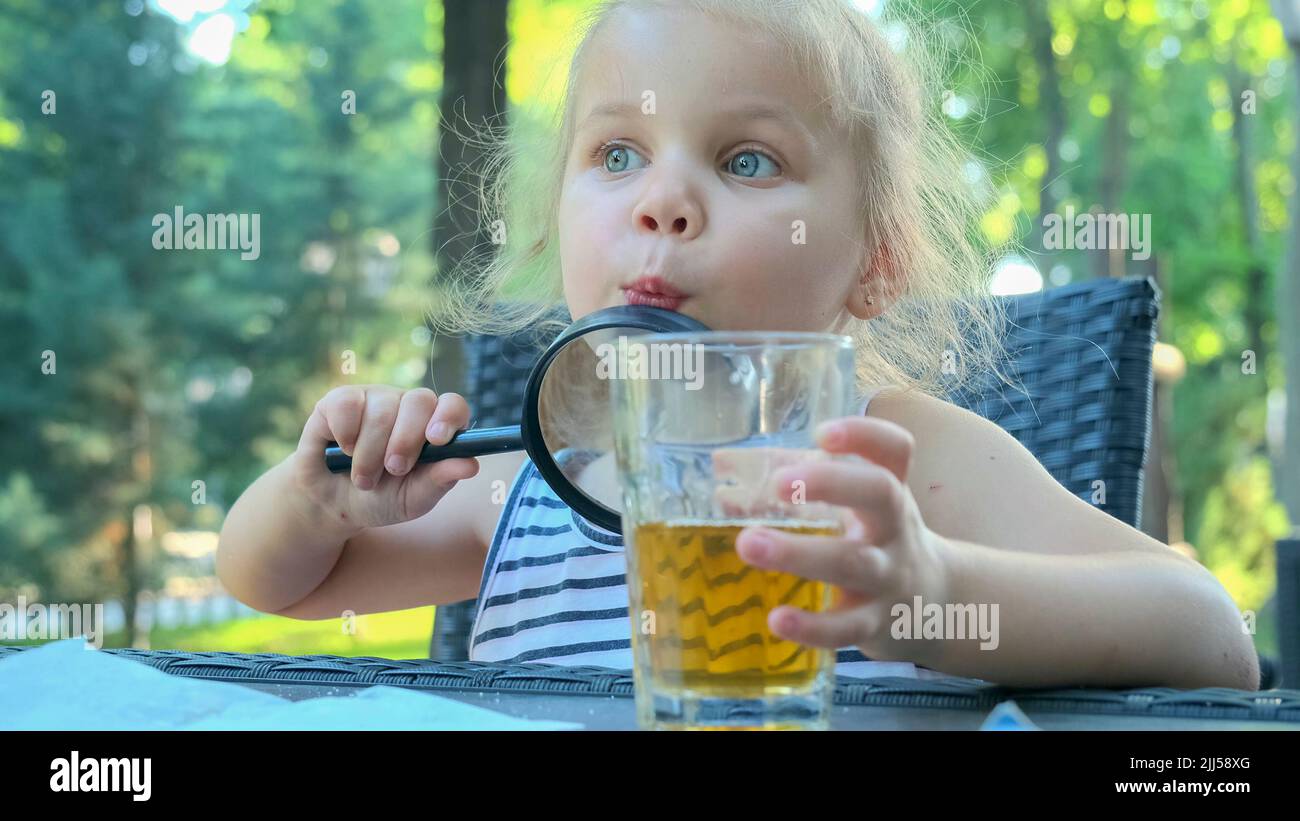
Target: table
[[601, 698]]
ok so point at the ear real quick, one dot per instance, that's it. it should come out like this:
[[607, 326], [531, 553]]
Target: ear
[[880, 280]]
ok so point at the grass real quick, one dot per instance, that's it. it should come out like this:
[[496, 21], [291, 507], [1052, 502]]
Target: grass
[[403, 634]]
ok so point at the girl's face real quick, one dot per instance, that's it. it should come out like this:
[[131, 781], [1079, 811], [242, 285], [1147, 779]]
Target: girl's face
[[719, 174]]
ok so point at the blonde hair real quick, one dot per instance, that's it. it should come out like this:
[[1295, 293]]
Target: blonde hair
[[939, 331]]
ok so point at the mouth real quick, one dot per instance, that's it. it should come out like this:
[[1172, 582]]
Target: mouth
[[654, 292]]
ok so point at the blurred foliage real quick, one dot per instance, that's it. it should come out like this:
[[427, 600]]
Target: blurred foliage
[[1147, 113], [222, 356], [1239, 548]]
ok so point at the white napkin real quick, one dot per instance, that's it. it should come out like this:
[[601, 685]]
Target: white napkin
[[68, 685]]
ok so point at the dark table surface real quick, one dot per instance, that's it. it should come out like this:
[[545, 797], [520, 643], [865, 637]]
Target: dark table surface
[[600, 698], [607, 712]]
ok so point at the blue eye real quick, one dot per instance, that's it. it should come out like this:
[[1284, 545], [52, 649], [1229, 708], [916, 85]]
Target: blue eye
[[747, 163], [618, 159]]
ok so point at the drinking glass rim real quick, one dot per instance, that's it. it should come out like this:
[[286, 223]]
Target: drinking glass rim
[[748, 339]]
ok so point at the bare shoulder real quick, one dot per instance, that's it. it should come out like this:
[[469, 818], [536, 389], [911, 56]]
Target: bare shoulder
[[975, 482]]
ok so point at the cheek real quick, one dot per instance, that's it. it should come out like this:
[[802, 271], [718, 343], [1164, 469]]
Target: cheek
[[769, 251], [585, 258], [587, 233]]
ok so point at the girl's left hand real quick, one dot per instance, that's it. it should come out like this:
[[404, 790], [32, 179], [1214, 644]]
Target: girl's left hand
[[886, 556]]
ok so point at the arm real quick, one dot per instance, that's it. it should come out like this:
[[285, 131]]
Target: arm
[[304, 567], [304, 543], [1122, 618], [433, 560], [275, 547], [1084, 597]]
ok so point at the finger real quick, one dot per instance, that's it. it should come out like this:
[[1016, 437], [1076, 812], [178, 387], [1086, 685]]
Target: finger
[[883, 442], [741, 474], [445, 472], [316, 432], [833, 628], [742, 463], [429, 482], [452, 414], [847, 563], [404, 444], [376, 427], [342, 409], [735, 501], [873, 492]]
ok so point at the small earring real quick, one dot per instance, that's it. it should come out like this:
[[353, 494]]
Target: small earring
[[870, 301]]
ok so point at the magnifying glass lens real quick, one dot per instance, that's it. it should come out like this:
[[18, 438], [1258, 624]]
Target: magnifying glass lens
[[574, 415]]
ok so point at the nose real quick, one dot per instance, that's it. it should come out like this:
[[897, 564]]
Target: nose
[[669, 208]]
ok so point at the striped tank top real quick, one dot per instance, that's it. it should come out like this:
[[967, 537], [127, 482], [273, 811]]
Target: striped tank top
[[554, 590]]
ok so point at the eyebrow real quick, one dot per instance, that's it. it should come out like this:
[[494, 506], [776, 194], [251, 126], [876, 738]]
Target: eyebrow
[[753, 111]]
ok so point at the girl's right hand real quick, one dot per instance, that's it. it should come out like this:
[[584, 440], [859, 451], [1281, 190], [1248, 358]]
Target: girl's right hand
[[383, 429]]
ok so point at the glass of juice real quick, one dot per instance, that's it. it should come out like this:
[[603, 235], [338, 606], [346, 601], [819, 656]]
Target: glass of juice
[[701, 422]]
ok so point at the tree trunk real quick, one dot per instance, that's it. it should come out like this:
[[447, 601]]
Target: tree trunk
[[1288, 305], [1111, 262], [1039, 26], [474, 51], [134, 544], [130, 576], [1256, 300], [1162, 505], [474, 37]]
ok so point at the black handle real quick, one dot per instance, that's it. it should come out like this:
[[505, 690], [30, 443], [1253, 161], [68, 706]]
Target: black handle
[[464, 443]]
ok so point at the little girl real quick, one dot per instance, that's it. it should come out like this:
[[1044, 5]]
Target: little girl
[[757, 165]]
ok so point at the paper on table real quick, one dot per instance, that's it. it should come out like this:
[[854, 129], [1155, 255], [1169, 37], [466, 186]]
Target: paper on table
[[375, 708], [66, 685]]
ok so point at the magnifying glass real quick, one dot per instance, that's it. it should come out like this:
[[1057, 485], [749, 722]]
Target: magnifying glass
[[565, 425]]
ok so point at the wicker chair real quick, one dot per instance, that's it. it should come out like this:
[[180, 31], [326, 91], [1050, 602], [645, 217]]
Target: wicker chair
[[1287, 603], [1081, 355]]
